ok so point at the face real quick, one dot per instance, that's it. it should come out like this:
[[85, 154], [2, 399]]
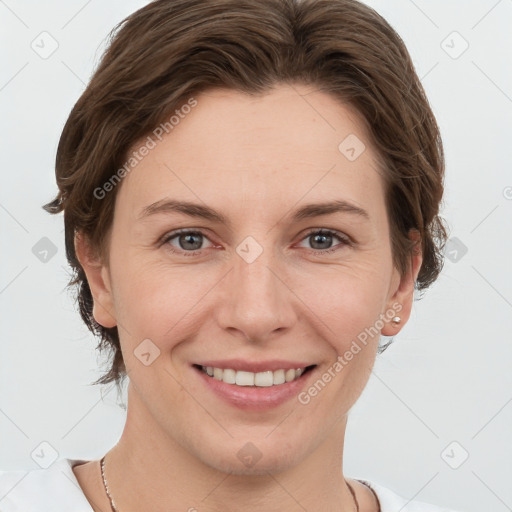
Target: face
[[255, 281]]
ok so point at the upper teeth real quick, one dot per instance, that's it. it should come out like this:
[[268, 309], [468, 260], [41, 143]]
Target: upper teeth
[[261, 379]]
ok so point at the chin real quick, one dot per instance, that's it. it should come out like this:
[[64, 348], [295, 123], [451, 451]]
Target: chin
[[259, 469], [249, 460]]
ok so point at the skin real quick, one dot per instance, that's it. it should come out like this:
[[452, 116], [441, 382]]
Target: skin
[[255, 159]]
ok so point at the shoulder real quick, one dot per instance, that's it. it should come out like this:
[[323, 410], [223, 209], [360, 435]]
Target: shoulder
[[391, 502], [42, 490]]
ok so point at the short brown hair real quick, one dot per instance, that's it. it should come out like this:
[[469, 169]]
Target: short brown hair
[[169, 50]]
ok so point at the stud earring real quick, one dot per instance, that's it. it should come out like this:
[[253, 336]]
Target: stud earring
[[396, 320]]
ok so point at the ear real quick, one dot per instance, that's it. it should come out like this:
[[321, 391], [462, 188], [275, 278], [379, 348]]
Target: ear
[[402, 298], [98, 279]]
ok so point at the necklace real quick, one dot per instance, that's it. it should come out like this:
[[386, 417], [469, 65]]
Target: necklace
[[114, 508], [112, 504]]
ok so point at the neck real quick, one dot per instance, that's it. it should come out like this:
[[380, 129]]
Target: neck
[[149, 470]]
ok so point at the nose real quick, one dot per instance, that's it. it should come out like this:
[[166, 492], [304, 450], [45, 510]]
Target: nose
[[256, 299]]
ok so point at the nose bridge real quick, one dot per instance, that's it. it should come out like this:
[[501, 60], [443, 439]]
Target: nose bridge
[[255, 283], [253, 273], [258, 302]]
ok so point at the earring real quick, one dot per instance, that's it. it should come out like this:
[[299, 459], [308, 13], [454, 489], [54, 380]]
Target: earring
[[396, 320]]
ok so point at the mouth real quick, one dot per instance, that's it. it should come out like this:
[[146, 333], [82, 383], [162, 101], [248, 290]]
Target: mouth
[[251, 385], [261, 379]]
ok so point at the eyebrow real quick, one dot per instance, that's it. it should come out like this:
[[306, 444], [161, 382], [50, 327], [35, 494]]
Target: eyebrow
[[205, 212]]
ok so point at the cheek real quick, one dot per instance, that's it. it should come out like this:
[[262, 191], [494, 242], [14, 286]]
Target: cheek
[[151, 299], [345, 309], [345, 302]]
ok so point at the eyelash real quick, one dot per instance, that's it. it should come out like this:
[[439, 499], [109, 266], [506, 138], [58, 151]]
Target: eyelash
[[346, 241]]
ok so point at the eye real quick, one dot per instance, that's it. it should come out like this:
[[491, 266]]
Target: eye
[[188, 241], [321, 240]]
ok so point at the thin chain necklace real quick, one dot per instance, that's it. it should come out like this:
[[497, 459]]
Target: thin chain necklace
[[112, 503], [115, 509]]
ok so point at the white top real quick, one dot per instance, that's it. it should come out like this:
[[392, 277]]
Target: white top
[[56, 489]]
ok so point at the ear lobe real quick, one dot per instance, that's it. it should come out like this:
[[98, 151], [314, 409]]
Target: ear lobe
[[99, 282], [402, 299]]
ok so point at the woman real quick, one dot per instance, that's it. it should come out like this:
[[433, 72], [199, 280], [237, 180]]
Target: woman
[[251, 193]]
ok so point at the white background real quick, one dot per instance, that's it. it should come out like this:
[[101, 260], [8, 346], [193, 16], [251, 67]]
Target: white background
[[446, 378]]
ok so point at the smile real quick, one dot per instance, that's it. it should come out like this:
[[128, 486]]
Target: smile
[[260, 379]]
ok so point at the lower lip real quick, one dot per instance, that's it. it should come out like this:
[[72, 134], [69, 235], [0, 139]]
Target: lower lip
[[253, 398]]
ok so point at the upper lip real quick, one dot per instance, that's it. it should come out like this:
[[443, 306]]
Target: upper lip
[[254, 366]]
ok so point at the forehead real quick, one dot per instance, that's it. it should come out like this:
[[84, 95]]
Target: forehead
[[232, 148]]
